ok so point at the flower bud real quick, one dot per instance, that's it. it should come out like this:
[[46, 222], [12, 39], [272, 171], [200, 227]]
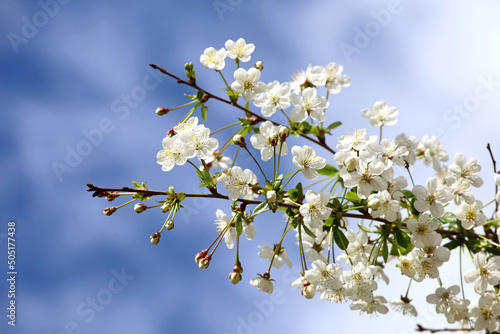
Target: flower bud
[[271, 196], [308, 291], [112, 195], [162, 111], [171, 132], [240, 141], [205, 262], [273, 140], [235, 277], [169, 225], [155, 238], [284, 133], [166, 207], [140, 207], [199, 256], [259, 65], [109, 210]]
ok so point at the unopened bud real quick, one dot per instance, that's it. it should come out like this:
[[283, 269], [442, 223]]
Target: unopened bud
[[240, 141], [199, 256], [259, 65], [273, 140], [112, 195], [155, 238], [308, 291], [235, 277], [205, 262], [162, 111], [284, 133], [169, 225], [166, 207], [171, 132], [109, 210], [140, 207], [271, 196]]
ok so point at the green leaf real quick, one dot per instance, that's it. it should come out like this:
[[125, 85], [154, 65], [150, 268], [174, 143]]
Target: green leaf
[[328, 170], [385, 251], [401, 239], [452, 244], [353, 197], [294, 194], [340, 239], [239, 226], [408, 194], [299, 188], [199, 95], [333, 126], [204, 112], [366, 229], [260, 208], [308, 231]]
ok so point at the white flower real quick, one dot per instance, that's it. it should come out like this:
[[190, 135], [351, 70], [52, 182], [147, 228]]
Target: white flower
[[390, 152], [308, 105], [424, 231], [315, 210], [324, 276], [278, 259], [469, 214], [275, 97], [316, 75], [313, 247], [381, 114], [239, 50], [427, 267], [247, 83], [383, 206], [267, 140], [408, 264], [305, 159], [358, 249], [486, 312], [199, 141], [335, 79], [237, 181], [366, 177], [372, 306], [466, 169], [460, 190], [358, 140], [172, 153], [404, 307], [485, 272], [411, 144], [431, 151], [188, 125], [219, 161], [442, 297], [211, 58], [263, 283], [359, 282], [428, 197]]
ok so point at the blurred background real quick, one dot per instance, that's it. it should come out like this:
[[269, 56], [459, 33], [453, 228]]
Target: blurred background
[[78, 106]]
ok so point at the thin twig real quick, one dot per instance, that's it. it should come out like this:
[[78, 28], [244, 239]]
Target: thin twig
[[210, 95], [488, 147], [420, 328]]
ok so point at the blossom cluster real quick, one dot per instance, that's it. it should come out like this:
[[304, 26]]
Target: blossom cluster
[[412, 226]]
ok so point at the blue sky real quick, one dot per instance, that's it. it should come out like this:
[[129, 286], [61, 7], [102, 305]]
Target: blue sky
[[70, 75]]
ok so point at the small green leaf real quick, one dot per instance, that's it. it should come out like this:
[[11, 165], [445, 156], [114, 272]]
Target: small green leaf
[[340, 239], [401, 240], [239, 226], [333, 126], [408, 194], [385, 251], [328, 170], [260, 208], [200, 94], [308, 231], [353, 197], [204, 112]]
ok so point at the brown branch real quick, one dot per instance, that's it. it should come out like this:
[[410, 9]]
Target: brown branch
[[420, 328], [488, 147], [103, 192], [210, 95]]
